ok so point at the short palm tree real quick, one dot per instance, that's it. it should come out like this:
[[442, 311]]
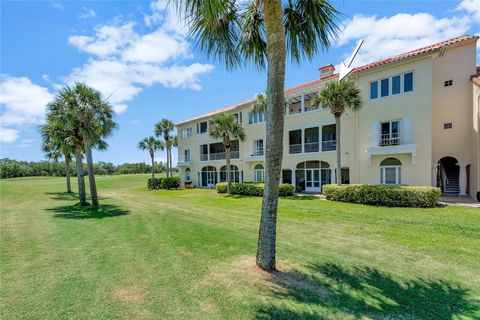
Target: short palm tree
[[163, 128], [151, 144], [263, 32], [337, 97], [225, 127]]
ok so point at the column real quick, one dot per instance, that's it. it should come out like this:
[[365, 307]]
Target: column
[[332, 176], [302, 134], [293, 179], [434, 175], [302, 103], [462, 180]]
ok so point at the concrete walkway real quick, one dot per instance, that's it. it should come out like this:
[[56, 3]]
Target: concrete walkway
[[459, 201]]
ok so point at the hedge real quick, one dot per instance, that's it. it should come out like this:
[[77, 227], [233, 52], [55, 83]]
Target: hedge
[[253, 189], [163, 183], [384, 195]]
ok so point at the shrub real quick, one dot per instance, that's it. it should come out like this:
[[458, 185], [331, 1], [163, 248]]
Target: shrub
[[188, 184], [170, 183], [154, 183], [252, 189], [384, 195]]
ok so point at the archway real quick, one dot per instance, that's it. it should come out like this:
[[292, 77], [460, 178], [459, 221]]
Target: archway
[[234, 173], [209, 176], [448, 176], [310, 176]]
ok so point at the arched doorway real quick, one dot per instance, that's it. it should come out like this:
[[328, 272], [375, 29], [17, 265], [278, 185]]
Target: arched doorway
[[310, 176], [234, 173], [448, 176], [391, 171], [209, 177], [188, 176]]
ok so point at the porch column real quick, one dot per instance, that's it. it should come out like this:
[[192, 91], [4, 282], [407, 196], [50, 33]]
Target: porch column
[[293, 180], [434, 175], [462, 180], [332, 176]]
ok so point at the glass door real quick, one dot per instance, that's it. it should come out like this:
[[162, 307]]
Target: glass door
[[312, 180]]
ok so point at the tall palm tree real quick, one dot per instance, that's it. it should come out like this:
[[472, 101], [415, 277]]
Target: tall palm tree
[[59, 132], [93, 116], [263, 32], [337, 97], [172, 143], [151, 144], [163, 128], [54, 150], [225, 127]]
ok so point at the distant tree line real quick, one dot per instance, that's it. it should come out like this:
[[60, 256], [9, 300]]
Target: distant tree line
[[10, 168]]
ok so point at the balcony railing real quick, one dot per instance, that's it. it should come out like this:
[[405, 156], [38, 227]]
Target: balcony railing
[[329, 145], [258, 152], [203, 157], [296, 148], [222, 155], [185, 160], [390, 139], [312, 147]]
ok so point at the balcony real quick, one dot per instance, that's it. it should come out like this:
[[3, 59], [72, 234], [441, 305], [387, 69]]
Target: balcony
[[329, 145], [204, 157], [184, 162], [390, 139], [295, 148], [222, 155], [312, 147], [257, 152]]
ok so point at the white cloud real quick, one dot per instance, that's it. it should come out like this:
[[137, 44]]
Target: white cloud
[[21, 101], [119, 108], [164, 13], [388, 36], [472, 7], [25, 143], [8, 135], [87, 13], [57, 5]]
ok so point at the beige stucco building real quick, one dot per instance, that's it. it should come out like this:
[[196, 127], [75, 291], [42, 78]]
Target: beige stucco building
[[419, 126]]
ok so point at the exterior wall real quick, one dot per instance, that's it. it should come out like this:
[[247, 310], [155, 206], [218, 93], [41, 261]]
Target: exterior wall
[[421, 112]]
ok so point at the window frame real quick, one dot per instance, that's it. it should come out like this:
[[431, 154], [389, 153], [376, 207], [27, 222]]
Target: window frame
[[378, 83]]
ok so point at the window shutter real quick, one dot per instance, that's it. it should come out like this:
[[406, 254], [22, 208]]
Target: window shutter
[[406, 130], [375, 134]]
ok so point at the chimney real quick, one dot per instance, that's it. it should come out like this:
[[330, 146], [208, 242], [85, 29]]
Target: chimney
[[326, 71]]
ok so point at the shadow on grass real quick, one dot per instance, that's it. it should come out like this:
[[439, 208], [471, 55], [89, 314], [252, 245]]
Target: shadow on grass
[[364, 293], [72, 196], [305, 197], [79, 213]]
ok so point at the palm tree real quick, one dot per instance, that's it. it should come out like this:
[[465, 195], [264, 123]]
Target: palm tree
[[163, 128], [225, 127], [55, 150], [263, 32], [151, 144], [337, 97], [172, 143]]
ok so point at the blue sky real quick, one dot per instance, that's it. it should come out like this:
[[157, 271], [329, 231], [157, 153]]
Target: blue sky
[[138, 53]]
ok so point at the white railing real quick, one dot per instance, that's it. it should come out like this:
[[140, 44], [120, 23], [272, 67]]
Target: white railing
[[296, 148], [329, 145], [389, 139], [203, 157], [258, 152], [222, 155], [184, 160], [312, 147]]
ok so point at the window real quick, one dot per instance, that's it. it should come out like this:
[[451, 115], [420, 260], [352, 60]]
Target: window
[[345, 175], [187, 133], [408, 82], [256, 117], [396, 85], [391, 86], [258, 147], [259, 173], [384, 87], [390, 135], [308, 102], [374, 90], [238, 117], [202, 127], [234, 173], [188, 176], [186, 154], [203, 152], [390, 171], [447, 125], [448, 83]]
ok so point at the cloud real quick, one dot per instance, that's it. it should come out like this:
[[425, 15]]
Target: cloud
[[388, 36], [57, 5], [472, 7], [25, 143], [87, 13], [22, 102], [8, 135], [123, 61]]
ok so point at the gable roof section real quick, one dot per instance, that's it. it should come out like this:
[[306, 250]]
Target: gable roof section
[[404, 56]]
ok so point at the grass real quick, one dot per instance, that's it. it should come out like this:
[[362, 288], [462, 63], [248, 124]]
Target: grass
[[189, 254]]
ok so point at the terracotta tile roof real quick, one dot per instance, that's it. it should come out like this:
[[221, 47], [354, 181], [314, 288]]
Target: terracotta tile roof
[[476, 77], [397, 58]]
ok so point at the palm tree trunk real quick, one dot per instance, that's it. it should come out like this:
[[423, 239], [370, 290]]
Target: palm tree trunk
[[229, 178], [170, 159], [339, 153], [152, 155], [81, 180], [274, 133], [91, 173], [68, 162]]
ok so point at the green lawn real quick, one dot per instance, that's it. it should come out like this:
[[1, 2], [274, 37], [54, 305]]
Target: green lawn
[[189, 254]]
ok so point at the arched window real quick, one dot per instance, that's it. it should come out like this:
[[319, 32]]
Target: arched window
[[259, 173], [234, 173], [209, 176], [188, 176], [391, 171]]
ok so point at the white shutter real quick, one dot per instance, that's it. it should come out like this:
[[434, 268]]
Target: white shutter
[[375, 140], [406, 130]]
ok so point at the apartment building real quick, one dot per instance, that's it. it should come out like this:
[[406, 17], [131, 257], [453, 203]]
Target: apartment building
[[419, 126]]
